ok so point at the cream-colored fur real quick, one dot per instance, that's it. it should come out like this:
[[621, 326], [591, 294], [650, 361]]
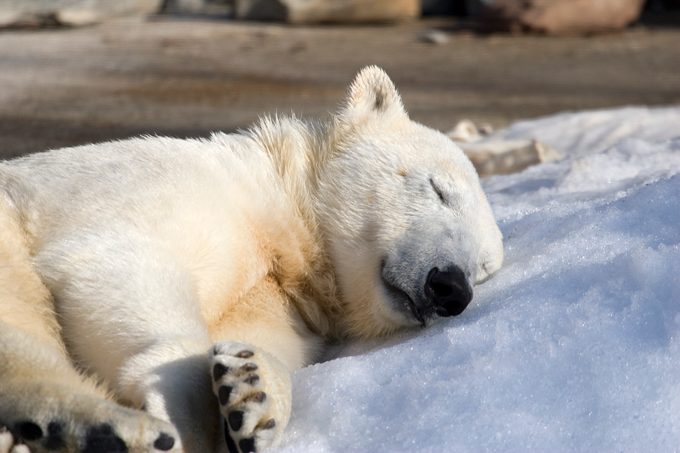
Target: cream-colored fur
[[188, 278]]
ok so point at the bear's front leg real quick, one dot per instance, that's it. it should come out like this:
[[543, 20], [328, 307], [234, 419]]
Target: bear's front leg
[[130, 314], [260, 340], [253, 390]]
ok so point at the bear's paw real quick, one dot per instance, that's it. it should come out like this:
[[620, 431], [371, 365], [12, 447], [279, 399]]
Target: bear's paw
[[253, 391], [107, 429]]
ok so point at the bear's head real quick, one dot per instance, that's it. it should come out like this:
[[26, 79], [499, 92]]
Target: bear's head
[[408, 227]]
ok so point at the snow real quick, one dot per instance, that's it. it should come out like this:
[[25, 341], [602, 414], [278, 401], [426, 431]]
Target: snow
[[573, 346]]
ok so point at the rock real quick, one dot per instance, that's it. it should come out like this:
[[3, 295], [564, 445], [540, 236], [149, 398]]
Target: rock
[[198, 7], [434, 36], [507, 156], [327, 11], [468, 132], [465, 131], [41, 13], [443, 7], [494, 156], [556, 17]]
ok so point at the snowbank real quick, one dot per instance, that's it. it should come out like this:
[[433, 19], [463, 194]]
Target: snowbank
[[573, 346]]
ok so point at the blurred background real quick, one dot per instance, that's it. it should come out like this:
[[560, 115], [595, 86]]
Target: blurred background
[[78, 71]]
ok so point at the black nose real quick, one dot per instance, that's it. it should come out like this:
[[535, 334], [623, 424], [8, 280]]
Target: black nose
[[448, 290]]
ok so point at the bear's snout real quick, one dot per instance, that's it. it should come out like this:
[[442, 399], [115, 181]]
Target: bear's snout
[[448, 290]]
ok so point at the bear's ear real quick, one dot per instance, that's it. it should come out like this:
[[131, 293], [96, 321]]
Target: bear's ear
[[372, 94]]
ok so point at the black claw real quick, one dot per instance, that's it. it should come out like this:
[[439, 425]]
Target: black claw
[[258, 397], [164, 442], [219, 370], [236, 420], [102, 439], [29, 431], [216, 350], [248, 367], [245, 354], [55, 436], [231, 445], [247, 445], [252, 380], [223, 394], [271, 423]]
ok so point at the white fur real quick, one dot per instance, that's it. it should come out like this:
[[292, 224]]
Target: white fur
[[155, 248]]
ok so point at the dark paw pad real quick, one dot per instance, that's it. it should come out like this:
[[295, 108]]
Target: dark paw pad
[[231, 445], [223, 394], [164, 442], [219, 370], [247, 445], [102, 439], [55, 436], [29, 431], [236, 420]]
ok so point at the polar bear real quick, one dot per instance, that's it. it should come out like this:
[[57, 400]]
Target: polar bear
[[156, 293]]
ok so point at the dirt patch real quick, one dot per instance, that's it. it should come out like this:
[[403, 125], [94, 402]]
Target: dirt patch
[[187, 78]]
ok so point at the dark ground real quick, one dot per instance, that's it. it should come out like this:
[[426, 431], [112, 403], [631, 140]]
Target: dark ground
[[127, 77]]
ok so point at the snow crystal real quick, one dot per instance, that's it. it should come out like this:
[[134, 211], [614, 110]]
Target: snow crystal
[[573, 346]]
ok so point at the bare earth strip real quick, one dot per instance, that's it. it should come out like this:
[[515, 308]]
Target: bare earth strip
[[186, 78]]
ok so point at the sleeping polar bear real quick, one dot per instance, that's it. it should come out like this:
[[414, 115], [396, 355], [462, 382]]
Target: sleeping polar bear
[[156, 293]]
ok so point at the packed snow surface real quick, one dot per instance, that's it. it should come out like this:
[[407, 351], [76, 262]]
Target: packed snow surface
[[574, 346]]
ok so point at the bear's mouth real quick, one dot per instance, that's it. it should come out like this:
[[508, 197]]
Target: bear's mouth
[[399, 295]]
